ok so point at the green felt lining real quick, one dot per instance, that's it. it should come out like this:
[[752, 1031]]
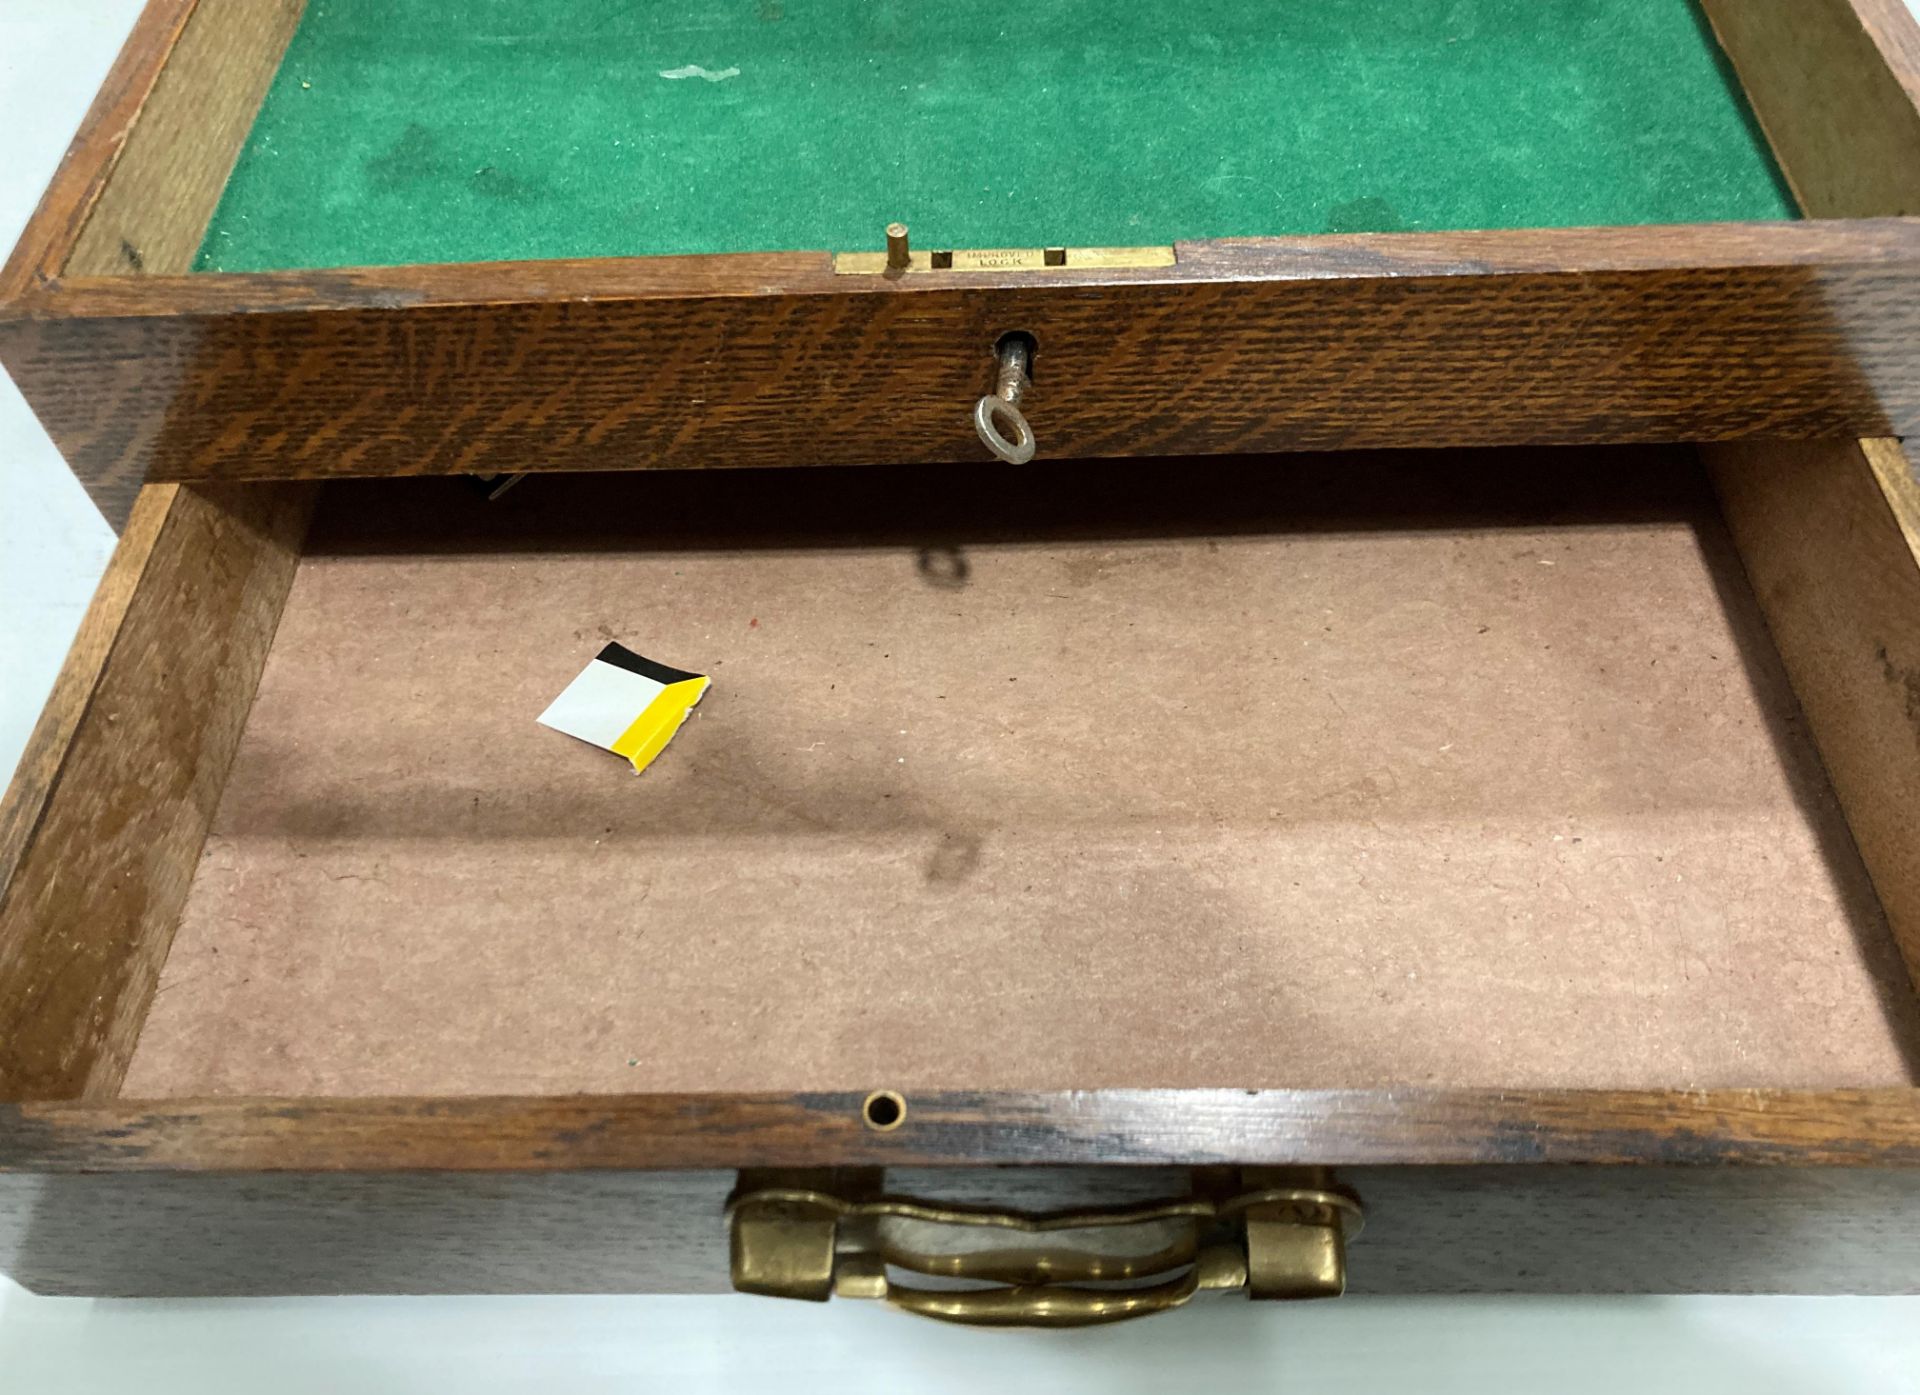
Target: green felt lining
[[412, 131]]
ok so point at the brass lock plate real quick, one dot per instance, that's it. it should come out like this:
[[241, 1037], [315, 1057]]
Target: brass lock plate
[[1002, 259]]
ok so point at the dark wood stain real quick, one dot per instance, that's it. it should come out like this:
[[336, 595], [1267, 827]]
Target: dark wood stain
[[1315, 343], [1430, 1230], [1177, 1127]]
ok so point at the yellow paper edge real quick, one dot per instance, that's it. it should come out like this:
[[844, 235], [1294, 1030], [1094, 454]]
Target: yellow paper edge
[[654, 728]]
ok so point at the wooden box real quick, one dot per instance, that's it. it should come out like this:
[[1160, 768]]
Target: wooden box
[[1155, 866]]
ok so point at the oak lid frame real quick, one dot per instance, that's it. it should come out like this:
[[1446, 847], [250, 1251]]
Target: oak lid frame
[[143, 373]]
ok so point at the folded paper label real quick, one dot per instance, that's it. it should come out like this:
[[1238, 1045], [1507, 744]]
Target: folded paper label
[[626, 703]]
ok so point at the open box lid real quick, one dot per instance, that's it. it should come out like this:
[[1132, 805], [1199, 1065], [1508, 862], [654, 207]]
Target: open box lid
[[1706, 331]]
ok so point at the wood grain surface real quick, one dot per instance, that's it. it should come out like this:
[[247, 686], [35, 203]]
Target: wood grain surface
[[142, 177], [91, 157], [47, 748], [1830, 532], [1836, 86], [106, 824], [1131, 1127], [153, 210], [1543, 337], [1531, 1230]]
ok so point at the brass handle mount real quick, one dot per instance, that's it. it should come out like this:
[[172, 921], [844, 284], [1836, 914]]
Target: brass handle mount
[[1268, 1233]]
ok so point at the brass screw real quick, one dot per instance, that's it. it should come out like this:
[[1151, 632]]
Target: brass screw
[[897, 254]]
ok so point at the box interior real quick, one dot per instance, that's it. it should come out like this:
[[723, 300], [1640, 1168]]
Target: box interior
[[524, 129], [1470, 769]]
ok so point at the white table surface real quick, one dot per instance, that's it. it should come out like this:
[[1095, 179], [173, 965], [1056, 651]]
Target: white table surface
[[53, 54]]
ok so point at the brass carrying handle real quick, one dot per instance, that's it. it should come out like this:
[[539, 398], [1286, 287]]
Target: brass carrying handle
[[1266, 1241]]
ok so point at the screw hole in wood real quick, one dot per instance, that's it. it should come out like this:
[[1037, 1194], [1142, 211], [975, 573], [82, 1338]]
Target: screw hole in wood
[[884, 1110]]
